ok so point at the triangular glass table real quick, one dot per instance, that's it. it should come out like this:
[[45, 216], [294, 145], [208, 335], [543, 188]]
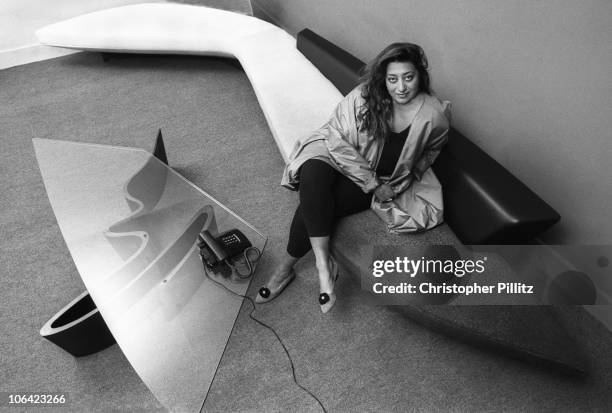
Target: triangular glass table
[[131, 224]]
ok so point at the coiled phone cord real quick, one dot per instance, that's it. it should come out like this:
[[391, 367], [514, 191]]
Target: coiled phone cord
[[242, 276], [247, 260]]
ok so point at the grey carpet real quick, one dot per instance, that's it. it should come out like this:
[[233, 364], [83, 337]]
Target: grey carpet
[[359, 357]]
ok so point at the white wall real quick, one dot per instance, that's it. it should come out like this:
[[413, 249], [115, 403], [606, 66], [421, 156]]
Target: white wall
[[529, 81]]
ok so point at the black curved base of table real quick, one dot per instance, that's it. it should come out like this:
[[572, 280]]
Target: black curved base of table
[[78, 328]]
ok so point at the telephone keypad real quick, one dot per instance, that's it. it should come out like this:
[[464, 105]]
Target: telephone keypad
[[230, 239]]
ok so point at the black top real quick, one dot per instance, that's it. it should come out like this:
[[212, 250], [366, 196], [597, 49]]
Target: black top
[[391, 151]]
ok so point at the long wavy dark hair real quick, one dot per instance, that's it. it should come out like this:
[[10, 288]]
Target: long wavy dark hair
[[378, 107]]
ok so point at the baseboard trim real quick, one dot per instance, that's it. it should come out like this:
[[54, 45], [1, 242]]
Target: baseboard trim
[[30, 53]]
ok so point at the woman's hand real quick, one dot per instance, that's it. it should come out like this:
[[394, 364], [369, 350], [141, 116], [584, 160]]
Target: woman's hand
[[384, 192]]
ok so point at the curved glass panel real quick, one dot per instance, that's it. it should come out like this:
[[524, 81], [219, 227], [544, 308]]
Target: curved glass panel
[[131, 224]]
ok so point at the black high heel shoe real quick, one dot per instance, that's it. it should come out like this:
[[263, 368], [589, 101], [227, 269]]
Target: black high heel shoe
[[268, 293], [327, 300]]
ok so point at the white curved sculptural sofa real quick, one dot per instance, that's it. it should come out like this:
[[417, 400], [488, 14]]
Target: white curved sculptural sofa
[[294, 96]]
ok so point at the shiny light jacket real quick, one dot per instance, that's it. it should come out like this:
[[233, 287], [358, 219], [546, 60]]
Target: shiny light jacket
[[417, 205]]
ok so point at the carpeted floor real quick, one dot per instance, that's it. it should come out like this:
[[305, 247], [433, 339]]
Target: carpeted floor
[[356, 358]]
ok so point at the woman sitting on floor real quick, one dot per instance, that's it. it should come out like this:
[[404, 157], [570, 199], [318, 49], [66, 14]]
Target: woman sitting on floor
[[375, 152]]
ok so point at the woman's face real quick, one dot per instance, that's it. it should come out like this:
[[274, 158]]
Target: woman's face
[[402, 82]]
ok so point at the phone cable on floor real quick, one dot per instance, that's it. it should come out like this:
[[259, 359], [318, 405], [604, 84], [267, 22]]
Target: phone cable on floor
[[243, 276]]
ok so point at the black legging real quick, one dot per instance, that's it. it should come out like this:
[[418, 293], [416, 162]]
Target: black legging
[[325, 195]]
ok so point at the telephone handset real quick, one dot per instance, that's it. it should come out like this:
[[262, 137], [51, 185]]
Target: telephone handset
[[228, 245]]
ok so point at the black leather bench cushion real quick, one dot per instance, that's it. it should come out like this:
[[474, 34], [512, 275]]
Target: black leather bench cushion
[[484, 203]]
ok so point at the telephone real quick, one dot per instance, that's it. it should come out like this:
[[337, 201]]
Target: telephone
[[227, 245]]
